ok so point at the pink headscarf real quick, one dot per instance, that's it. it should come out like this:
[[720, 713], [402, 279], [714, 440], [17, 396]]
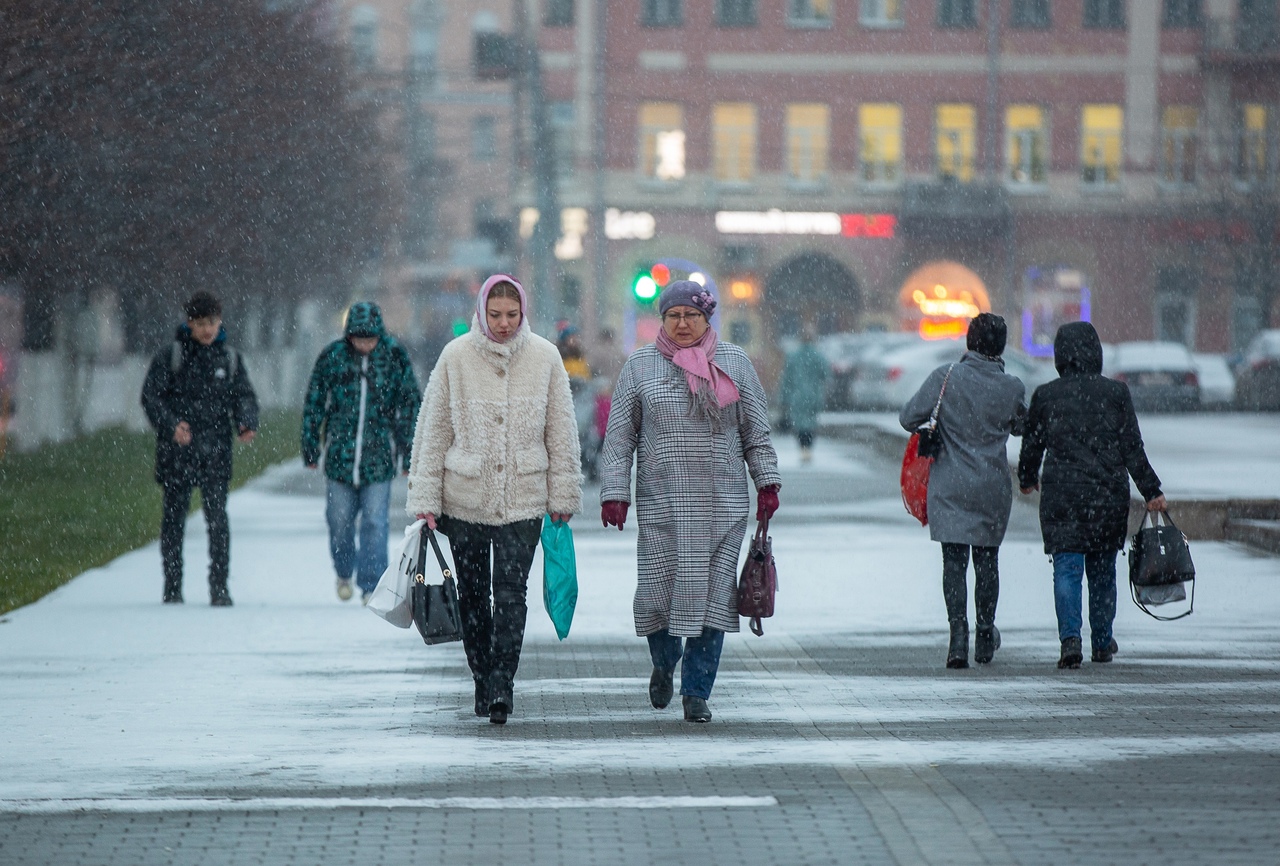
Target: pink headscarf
[[709, 385], [482, 302]]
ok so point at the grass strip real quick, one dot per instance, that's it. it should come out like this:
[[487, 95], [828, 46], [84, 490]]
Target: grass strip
[[77, 505]]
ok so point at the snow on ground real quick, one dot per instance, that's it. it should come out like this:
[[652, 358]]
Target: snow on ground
[[108, 693]]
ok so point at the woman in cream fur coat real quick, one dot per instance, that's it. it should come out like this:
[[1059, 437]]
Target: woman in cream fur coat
[[496, 448]]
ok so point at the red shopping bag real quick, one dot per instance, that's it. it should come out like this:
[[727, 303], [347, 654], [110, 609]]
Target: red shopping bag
[[915, 480]]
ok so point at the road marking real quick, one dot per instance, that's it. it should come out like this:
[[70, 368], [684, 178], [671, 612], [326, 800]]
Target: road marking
[[150, 805]]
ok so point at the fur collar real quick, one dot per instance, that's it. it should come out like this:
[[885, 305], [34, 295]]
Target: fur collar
[[499, 355]]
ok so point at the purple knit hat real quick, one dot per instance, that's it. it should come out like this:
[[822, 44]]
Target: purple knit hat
[[482, 301], [687, 293]]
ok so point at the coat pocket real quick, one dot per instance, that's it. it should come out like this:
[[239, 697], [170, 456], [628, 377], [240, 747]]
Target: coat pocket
[[463, 482], [531, 460]]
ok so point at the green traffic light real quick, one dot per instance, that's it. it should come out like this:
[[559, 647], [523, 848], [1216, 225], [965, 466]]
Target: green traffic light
[[645, 288]]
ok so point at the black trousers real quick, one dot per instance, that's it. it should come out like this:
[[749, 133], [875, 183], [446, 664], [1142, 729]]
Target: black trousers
[[173, 524], [492, 594], [955, 588]]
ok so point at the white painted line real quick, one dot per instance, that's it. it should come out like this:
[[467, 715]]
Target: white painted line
[[151, 805]]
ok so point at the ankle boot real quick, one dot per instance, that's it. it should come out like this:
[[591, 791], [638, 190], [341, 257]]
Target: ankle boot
[[958, 652], [985, 643], [1071, 654], [501, 701]]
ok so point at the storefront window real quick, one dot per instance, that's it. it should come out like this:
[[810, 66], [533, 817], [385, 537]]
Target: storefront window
[[1026, 145], [881, 138], [735, 141], [662, 141], [808, 125], [955, 124], [1101, 129]]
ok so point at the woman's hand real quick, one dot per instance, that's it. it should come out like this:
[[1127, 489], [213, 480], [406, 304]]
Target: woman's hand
[[430, 518], [614, 514], [1157, 504], [1027, 491], [766, 502], [557, 517]]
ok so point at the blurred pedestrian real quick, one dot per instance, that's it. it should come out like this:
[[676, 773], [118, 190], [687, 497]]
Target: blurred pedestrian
[[692, 409], [1083, 428], [496, 449], [804, 390], [970, 488], [198, 397], [359, 415]]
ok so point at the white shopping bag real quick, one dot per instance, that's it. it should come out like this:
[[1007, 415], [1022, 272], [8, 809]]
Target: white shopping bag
[[390, 599]]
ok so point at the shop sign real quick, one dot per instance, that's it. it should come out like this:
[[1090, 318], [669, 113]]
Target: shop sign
[[780, 222], [1051, 297], [629, 225]]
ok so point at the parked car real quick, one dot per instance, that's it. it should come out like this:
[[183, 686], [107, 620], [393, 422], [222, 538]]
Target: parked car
[[1161, 376], [888, 380], [1217, 382], [846, 352], [1258, 379]]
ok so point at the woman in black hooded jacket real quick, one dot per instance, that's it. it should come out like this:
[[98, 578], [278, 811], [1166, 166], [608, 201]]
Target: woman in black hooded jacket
[[1084, 429]]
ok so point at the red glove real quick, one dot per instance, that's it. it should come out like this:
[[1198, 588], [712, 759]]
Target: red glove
[[614, 514], [766, 502]]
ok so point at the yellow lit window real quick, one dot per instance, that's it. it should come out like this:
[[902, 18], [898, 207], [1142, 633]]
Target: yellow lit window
[[955, 124], [1251, 164], [1101, 128], [661, 126], [1178, 144], [880, 127], [880, 13], [735, 141], [808, 125], [1026, 144]]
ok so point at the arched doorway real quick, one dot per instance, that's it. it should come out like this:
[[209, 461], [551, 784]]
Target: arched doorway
[[812, 287], [938, 300]]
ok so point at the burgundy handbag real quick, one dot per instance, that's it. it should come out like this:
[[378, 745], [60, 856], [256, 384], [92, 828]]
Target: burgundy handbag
[[759, 580]]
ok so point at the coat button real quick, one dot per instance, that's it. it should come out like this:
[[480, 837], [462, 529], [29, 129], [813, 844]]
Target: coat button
[[502, 373], [499, 419], [499, 467]]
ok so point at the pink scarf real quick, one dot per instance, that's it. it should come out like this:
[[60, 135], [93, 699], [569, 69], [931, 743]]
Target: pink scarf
[[707, 383]]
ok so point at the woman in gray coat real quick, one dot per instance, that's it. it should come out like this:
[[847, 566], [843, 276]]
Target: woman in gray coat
[[970, 488], [693, 411]]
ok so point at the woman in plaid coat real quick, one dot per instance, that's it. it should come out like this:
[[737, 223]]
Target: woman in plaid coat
[[694, 411]]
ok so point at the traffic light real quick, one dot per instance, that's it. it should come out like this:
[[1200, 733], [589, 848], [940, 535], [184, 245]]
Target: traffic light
[[649, 281]]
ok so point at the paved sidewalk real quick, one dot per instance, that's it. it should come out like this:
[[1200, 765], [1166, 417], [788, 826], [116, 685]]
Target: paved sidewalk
[[294, 729]]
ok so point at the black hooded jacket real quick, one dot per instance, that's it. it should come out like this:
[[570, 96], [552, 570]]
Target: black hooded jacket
[[1084, 428]]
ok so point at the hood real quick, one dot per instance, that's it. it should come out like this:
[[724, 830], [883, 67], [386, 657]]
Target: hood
[[364, 319], [482, 300], [1077, 349]]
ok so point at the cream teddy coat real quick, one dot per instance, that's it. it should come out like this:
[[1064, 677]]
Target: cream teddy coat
[[497, 440]]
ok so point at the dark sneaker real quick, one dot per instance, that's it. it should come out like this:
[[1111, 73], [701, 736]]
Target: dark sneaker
[[696, 709], [1072, 655], [661, 688], [985, 643]]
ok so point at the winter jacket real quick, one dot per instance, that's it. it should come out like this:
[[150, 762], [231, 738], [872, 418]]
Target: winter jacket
[[497, 440], [210, 390], [1084, 428], [692, 499], [360, 412], [804, 387], [970, 491]]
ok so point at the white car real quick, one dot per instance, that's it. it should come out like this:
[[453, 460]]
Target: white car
[[1217, 382], [1161, 376], [889, 380]]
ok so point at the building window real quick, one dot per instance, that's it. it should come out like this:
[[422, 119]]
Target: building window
[[364, 38], [880, 13], [1104, 14], [662, 13], [562, 118], [736, 13], [809, 13], [1030, 15], [1175, 298], [955, 125], [558, 13], [1252, 160], [484, 137], [808, 136], [1181, 13], [734, 129], [662, 141], [1026, 145], [957, 13], [1178, 145], [1101, 128], [880, 129]]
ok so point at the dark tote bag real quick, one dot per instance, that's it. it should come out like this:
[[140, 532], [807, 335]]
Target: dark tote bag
[[435, 605], [1160, 566], [759, 580]]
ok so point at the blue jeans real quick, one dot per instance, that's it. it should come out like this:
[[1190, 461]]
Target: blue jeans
[[701, 659], [1068, 572], [369, 503]]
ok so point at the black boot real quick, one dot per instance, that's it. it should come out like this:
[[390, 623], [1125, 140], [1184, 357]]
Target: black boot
[[500, 702], [958, 652], [985, 643], [661, 688], [482, 697], [695, 709], [1072, 655], [1106, 653]]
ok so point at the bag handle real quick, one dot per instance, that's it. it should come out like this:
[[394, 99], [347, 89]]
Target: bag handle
[[420, 577], [933, 416], [1133, 593]]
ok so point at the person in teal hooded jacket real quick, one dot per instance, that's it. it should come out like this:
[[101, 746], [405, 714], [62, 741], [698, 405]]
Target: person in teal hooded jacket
[[361, 408]]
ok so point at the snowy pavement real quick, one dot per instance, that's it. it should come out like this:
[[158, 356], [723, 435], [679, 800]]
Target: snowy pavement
[[294, 728]]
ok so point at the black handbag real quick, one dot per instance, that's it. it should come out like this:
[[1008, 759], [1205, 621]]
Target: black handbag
[[929, 442], [435, 605], [1159, 565]]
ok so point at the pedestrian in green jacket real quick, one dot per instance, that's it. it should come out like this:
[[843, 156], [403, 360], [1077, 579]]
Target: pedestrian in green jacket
[[361, 408], [804, 391]]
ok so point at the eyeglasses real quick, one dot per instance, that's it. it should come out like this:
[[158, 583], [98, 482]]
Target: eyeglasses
[[676, 318]]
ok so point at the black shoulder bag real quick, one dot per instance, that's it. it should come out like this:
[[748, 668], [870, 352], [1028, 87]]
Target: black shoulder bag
[[435, 605], [1159, 565]]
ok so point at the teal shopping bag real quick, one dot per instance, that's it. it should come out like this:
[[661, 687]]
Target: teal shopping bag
[[559, 574]]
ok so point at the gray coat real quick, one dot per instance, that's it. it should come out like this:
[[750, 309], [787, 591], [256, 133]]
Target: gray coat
[[692, 499], [970, 491]]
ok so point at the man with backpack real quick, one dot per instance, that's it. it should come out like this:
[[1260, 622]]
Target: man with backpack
[[361, 409], [198, 397]]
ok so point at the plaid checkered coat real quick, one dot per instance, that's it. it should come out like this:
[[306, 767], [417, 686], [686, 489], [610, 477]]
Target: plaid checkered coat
[[692, 499]]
